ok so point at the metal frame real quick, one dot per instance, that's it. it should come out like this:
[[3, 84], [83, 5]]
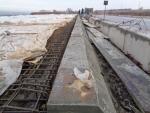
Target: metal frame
[[30, 93]]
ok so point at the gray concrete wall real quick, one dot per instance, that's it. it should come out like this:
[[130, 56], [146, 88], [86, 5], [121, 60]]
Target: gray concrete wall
[[67, 99], [135, 44], [135, 80]]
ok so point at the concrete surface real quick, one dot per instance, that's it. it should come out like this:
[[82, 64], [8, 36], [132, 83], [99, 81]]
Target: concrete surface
[[133, 43], [136, 81], [66, 99]]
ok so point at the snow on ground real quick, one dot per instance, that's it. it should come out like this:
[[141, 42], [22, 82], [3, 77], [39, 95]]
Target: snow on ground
[[34, 19], [139, 25], [23, 37]]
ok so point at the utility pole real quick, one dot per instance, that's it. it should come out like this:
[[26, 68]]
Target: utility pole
[[105, 3]]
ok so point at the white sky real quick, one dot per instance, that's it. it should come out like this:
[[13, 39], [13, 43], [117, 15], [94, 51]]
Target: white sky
[[29, 5]]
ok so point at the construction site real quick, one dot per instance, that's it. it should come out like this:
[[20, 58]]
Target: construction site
[[77, 62]]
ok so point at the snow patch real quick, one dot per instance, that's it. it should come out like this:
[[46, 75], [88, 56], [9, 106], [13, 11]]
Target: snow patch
[[24, 37]]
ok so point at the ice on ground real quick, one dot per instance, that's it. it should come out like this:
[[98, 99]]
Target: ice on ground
[[134, 24], [9, 72], [85, 77], [34, 19], [24, 37]]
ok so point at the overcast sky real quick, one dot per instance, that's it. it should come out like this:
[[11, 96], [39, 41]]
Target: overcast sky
[[34, 5]]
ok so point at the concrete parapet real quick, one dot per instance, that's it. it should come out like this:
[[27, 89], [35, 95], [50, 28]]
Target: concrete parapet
[[68, 95], [131, 43], [135, 80]]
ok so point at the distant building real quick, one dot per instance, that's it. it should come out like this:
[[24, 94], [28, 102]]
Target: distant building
[[69, 11], [88, 11]]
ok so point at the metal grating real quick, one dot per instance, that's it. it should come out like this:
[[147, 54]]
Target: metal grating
[[30, 93]]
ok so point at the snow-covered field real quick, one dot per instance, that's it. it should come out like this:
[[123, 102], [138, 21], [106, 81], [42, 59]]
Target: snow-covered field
[[140, 25], [37, 19], [23, 37]]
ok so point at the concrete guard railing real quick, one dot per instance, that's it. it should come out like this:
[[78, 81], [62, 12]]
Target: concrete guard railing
[[134, 44]]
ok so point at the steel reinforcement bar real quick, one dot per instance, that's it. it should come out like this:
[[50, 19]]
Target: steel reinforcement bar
[[30, 93]]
